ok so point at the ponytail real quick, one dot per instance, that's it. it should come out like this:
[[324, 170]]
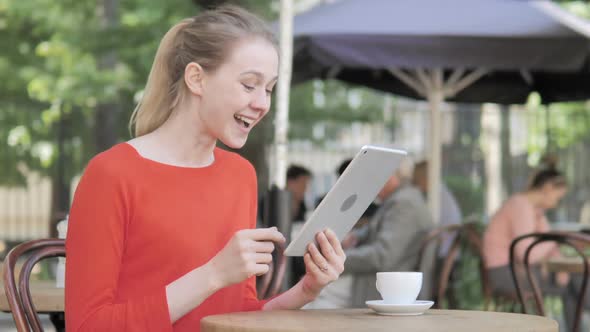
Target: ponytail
[[157, 103]]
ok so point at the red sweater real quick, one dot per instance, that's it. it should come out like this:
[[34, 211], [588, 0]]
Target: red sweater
[[136, 225]]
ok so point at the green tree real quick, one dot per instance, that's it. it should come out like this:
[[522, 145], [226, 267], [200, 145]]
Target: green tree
[[71, 71], [557, 126], [560, 125], [332, 102]]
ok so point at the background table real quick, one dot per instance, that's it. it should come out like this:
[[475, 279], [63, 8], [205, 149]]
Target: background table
[[46, 297], [565, 264], [348, 320]]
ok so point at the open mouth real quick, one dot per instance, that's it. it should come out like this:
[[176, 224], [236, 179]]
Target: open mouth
[[242, 121]]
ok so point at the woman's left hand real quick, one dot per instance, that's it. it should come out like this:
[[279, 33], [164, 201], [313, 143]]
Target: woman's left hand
[[322, 265]]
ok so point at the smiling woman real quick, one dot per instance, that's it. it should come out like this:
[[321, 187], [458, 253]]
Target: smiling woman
[[161, 227]]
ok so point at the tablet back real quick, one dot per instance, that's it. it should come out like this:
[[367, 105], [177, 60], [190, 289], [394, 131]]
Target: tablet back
[[344, 204]]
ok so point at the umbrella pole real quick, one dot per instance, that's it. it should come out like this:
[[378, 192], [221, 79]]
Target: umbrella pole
[[435, 97], [278, 199], [430, 84], [279, 163]]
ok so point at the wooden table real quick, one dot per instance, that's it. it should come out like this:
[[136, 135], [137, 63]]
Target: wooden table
[[565, 264], [348, 320], [46, 297]]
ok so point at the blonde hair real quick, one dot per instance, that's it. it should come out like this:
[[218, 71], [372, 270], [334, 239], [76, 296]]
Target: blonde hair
[[205, 39]]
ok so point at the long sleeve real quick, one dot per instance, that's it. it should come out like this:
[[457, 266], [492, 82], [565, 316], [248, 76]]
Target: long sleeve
[[95, 246], [397, 231]]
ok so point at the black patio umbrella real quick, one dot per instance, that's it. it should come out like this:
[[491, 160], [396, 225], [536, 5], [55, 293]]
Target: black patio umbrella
[[459, 50]]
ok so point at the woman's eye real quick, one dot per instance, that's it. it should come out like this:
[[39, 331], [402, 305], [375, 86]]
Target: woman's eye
[[248, 87], [268, 92]]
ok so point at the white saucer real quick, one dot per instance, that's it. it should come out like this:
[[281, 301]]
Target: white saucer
[[414, 309]]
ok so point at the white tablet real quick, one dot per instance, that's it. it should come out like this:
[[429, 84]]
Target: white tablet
[[344, 204]]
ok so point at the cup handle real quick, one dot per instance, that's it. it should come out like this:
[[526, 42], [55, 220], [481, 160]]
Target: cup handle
[[377, 285]]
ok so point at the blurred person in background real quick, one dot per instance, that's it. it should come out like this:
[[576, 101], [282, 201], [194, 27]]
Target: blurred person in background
[[524, 213], [391, 240], [298, 179], [449, 213]]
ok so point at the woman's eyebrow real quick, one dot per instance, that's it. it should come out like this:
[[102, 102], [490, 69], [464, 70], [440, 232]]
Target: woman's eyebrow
[[258, 75]]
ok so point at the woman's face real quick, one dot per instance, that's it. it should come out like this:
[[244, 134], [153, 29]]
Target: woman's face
[[552, 195], [236, 96]]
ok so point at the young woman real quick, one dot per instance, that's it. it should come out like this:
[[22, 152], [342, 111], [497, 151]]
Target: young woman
[[521, 214], [161, 230]]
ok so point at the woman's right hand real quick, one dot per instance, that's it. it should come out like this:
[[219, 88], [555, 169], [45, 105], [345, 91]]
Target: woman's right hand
[[248, 253]]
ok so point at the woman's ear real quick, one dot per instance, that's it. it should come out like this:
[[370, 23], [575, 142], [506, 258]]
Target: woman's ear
[[193, 78]]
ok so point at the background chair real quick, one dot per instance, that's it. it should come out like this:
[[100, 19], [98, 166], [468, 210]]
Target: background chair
[[465, 236], [270, 284], [574, 240], [19, 298], [430, 264]]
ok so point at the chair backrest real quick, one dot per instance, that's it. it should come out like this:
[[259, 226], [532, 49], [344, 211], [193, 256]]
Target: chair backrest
[[19, 298], [467, 234], [428, 256], [270, 284], [574, 240]]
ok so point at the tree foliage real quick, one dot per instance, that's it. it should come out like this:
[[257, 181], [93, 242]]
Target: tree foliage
[[332, 102], [559, 125], [53, 79]]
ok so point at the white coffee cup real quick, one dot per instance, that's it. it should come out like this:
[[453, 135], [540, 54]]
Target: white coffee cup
[[399, 287]]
